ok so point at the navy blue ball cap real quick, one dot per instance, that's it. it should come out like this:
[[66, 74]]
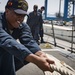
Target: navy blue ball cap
[[19, 6]]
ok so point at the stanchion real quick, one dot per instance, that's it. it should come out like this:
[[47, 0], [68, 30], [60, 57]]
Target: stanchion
[[73, 28], [53, 33]]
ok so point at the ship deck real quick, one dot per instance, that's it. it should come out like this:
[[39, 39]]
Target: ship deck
[[61, 53]]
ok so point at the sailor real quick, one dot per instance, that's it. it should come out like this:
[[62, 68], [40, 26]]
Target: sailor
[[41, 31], [34, 22], [14, 54]]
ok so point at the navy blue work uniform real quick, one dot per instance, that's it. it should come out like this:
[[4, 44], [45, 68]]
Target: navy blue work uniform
[[34, 21], [10, 48], [41, 31]]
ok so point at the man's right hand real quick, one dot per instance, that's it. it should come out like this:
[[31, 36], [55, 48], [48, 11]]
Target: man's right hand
[[42, 62]]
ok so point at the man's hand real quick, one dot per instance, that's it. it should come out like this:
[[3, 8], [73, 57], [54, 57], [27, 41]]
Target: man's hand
[[41, 60], [46, 62]]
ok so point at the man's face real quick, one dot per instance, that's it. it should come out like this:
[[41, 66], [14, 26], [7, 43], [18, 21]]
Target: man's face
[[13, 19], [35, 9]]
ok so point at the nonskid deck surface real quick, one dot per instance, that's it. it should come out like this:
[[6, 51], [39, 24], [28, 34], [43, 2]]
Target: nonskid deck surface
[[32, 69], [61, 54]]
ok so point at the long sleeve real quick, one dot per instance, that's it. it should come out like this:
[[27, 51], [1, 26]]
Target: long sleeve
[[27, 39], [9, 44]]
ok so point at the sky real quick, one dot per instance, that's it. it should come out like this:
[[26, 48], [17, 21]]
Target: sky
[[53, 5], [30, 3]]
